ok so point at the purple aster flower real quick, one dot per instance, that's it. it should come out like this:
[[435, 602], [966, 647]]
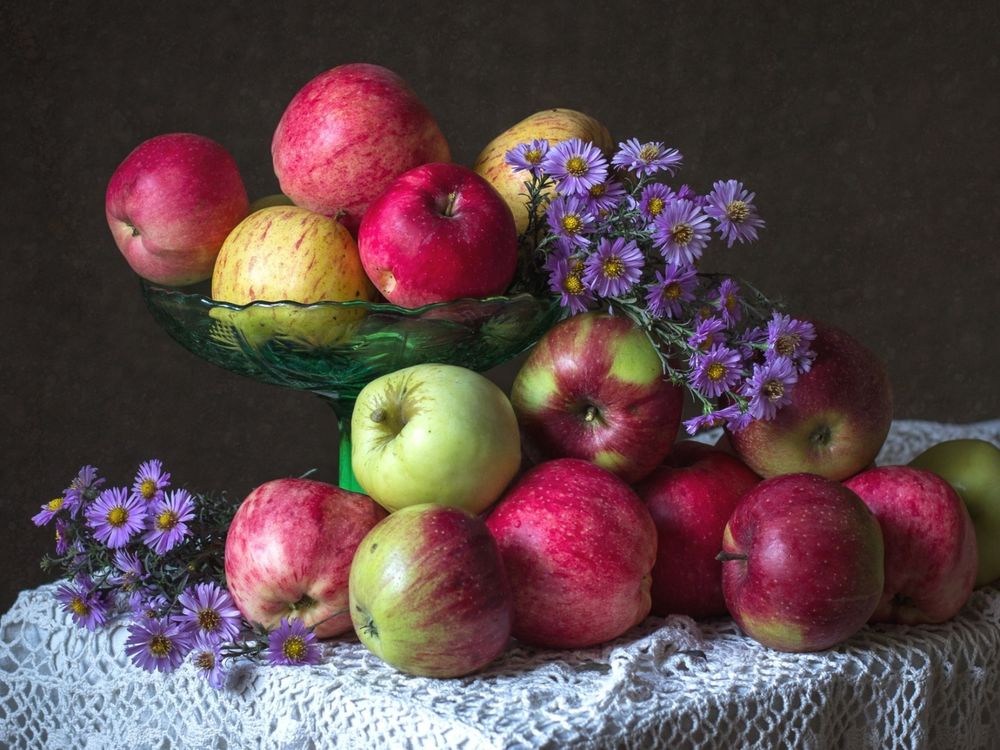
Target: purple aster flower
[[731, 416], [788, 337], [48, 511], [157, 644], [716, 371], [672, 288], [770, 387], [206, 655], [728, 303], [646, 158], [654, 199], [130, 571], [566, 280], [168, 521], [209, 610], [614, 267], [62, 541], [147, 605], [527, 156], [88, 606], [150, 481], [576, 166], [707, 333], [570, 219], [115, 516], [681, 232], [687, 193], [83, 486], [732, 206], [292, 644], [605, 197]]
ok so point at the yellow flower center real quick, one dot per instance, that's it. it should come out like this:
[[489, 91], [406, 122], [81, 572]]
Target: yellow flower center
[[576, 166], [571, 223], [596, 191], [681, 234], [79, 607], [730, 303], [205, 660], [160, 646], [655, 206], [737, 211], [774, 389], [533, 156], [58, 536], [166, 520], [148, 489], [209, 620], [672, 291], [649, 152], [573, 284], [613, 267], [787, 344], [117, 516], [55, 504], [294, 648], [715, 371]]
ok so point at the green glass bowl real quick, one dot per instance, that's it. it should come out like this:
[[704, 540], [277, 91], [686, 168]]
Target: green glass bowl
[[334, 349]]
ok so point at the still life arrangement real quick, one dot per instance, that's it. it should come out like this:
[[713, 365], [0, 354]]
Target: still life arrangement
[[384, 279]]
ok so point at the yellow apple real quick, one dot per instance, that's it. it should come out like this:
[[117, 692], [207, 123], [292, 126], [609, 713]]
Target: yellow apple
[[290, 253], [554, 125]]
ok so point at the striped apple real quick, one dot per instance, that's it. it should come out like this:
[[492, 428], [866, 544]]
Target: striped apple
[[553, 125], [429, 594], [289, 550], [593, 388]]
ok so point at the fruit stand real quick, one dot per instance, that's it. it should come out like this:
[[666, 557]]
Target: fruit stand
[[669, 682]]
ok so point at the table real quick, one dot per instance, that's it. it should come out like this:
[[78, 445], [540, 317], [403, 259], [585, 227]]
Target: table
[[669, 683]]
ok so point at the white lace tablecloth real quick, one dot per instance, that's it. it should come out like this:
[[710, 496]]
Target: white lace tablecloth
[[669, 683]]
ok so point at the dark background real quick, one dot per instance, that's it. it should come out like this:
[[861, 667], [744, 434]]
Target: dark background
[[870, 136]]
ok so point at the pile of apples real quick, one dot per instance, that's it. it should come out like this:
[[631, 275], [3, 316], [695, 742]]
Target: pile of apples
[[565, 513]]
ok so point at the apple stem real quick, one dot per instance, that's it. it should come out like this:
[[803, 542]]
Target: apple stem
[[133, 228], [378, 416], [727, 556], [449, 206]]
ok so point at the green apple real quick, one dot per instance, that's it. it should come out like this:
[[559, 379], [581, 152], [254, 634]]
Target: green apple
[[972, 467], [434, 433]]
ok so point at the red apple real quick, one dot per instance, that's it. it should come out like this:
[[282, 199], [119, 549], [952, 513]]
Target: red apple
[[289, 551], [593, 388], [802, 563], [837, 420], [690, 502], [171, 204], [346, 135], [578, 546], [930, 543], [429, 594], [438, 233]]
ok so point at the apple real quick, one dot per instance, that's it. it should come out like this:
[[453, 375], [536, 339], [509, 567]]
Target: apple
[[170, 205], [690, 502], [554, 125], [578, 546], [437, 233], [289, 550], [346, 135], [802, 563], [972, 468], [429, 594], [290, 253], [593, 388], [434, 433], [838, 418], [930, 543]]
